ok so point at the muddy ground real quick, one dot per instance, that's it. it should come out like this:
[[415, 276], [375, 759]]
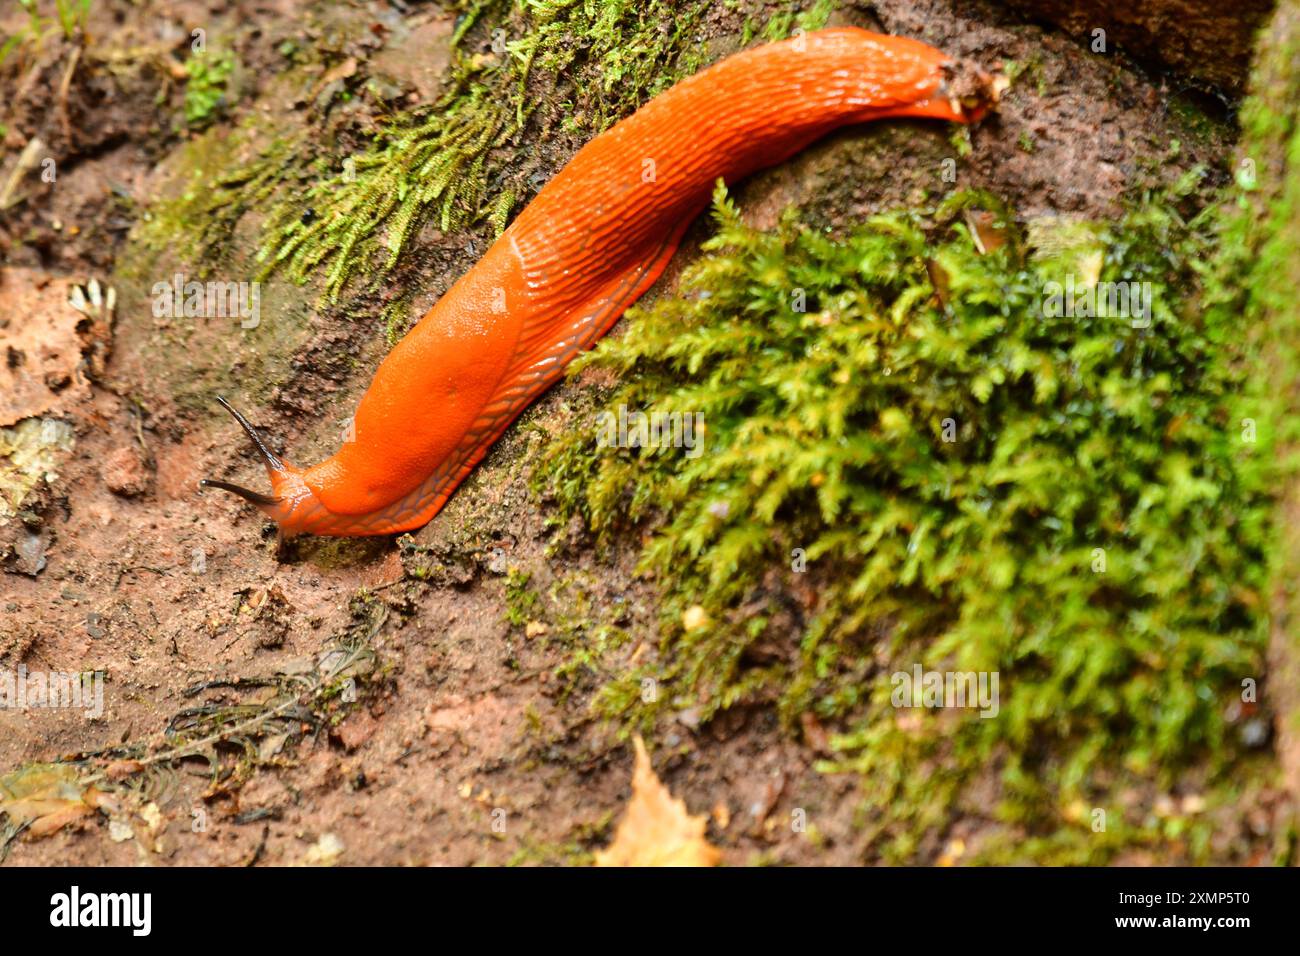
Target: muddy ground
[[117, 564]]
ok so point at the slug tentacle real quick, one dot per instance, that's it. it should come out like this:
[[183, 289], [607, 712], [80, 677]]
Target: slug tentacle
[[594, 239], [271, 459], [252, 497]]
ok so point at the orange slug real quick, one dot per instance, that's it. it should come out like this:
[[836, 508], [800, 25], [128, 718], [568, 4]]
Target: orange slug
[[593, 240]]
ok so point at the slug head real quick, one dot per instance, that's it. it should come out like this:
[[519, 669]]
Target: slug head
[[291, 505]]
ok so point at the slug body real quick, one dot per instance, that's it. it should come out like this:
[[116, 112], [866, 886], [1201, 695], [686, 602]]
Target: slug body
[[591, 242]]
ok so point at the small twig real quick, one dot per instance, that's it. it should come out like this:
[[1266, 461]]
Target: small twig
[[261, 846], [27, 161], [64, 87]]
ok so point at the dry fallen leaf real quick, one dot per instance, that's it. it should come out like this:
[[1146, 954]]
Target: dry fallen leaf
[[656, 830], [46, 796], [985, 230]]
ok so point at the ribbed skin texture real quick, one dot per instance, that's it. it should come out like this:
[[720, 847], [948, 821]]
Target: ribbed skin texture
[[594, 239]]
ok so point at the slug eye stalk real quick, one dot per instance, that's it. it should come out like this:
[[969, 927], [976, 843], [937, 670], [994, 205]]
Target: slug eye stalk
[[269, 458]]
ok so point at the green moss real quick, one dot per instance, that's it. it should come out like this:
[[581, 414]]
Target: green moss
[[1193, 118], [207, 87], [1030, 72], [522, 601], [188, 222], [788, 19], [1254, 283], [587, 631], [974, 485], [576, 850], [555, 67], [1258, 268]]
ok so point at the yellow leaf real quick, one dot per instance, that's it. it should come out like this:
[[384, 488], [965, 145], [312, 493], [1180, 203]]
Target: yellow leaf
[[47, 796], [656, 830]]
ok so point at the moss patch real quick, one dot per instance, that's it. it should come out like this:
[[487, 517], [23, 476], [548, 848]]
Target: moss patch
[[206, 88], [534, 71], [912, 459], [1254, 283]]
